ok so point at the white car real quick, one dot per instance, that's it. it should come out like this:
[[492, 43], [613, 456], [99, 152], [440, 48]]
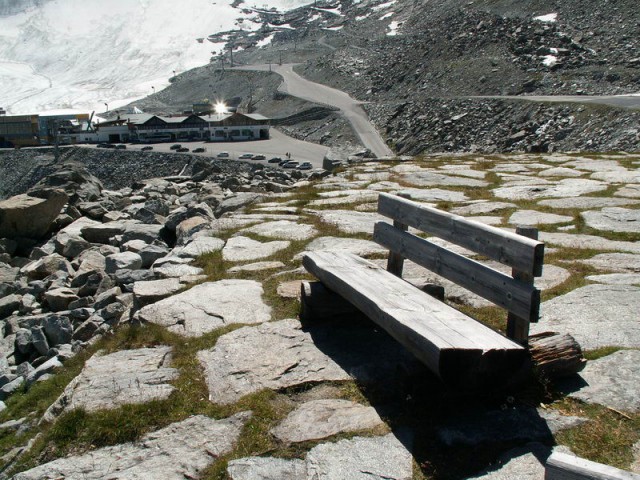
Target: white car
[[305, 166], [223, 155]]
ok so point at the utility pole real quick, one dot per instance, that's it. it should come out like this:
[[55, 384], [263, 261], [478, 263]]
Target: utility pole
[[56, 143], [280, 57]]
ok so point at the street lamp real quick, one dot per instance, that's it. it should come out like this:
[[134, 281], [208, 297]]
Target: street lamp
[[106, 105]]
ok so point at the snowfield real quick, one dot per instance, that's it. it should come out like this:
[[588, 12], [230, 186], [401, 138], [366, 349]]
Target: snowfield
[[78, 55]]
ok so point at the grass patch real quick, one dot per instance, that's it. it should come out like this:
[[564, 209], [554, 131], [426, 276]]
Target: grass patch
[[601, 352]]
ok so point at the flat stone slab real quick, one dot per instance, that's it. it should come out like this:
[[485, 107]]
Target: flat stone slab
[[283, 229], [433, 179], [257, 267], [532, 217], [570, 187], [120, 378], [209, 306], [360, 459], [635, 465], [482, 208], [181, 450], [631, 191], [616, 278], [266, 468], [596, 315], [587, 202], [574, 240], [241, 249], [432, 195], [362, 248], [522, 463], [611, 381], [349, 221], [155, 290], [615, 262], [199, 246], [620, 176], [177, 270], [319, 419], [613, 219], [511, 425], [560, 172], [272, 355]]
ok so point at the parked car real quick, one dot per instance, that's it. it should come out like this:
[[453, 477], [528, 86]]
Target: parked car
[[290, 165], [223, 155], [259, 157], [305, 166], [246, 156], [175, 146], [199, 150], [148, 147], [121, 147], [275, 160], [282, 162], [102, 145], [182, 150]]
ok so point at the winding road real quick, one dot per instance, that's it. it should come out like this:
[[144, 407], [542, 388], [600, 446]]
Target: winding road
[[297, 86]]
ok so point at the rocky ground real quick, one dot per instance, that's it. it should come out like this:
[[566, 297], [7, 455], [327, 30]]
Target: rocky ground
[[153, 330]]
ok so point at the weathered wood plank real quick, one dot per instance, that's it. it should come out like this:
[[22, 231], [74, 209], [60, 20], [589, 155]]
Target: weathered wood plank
[[556, 355], [501, 289], [454, 346], [561, 466], [395, 263], [506, 247]]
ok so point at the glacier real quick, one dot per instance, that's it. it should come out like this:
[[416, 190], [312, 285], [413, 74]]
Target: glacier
[[77, 55]]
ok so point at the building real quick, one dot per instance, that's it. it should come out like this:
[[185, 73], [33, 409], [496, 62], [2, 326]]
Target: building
[[145, 128], [19, 130]]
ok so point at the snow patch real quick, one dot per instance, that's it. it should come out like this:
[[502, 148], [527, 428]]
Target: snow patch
[[382, 6], [549, 60], [266, 41], [361, 17], [393, 29], [548, 18], [387, 15]]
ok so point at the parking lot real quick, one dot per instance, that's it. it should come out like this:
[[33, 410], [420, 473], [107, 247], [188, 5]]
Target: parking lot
[[276, 147]]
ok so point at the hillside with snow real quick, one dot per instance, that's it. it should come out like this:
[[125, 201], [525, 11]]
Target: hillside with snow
[[81, 54]]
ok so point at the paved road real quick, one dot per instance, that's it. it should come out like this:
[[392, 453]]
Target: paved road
[[624, 101], [295, 85], [277, 146]]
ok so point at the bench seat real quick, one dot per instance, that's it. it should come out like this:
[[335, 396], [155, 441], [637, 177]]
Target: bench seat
[[459, 349]]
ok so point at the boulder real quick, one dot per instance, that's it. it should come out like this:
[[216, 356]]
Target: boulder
[[59, 299], [123, 261], [30, 216]]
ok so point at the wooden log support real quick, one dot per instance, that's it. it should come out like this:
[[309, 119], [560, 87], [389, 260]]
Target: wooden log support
[[556, 355], [395, 263], [561, 466], [318, 302], [518, 325]]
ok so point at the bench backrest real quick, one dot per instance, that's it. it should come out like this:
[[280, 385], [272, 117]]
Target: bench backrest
[[525, 256]]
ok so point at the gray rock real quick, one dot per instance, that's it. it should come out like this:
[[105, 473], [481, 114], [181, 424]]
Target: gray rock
[[120, 378], [532, 218], [611, 381], [107, 297], [570, 187], [283, 229], [46, 266], [181, 450], [432, 179], [188, 228], [9, 304], [616, 278], [102, 232], [123, 261], [615, 262], [595, 315], [359, 458], [236, 202], [522, 463], [349, 221], [571, 240], [199, 246], [153, 291], [209, 306], [151, 253], [10, 387], [362, 248], [587, 202], [23, 340], [631, 191], [635, 465], [482, 208], [560, 172], [271, 355], [266, 468], [613, 219], [239, 249], [510, 425], [59, 299], [319, 419], [432, 195], [39, 340], [46, 368], [256, 267], [172, 270], [58, 329], [139, 231], [30, 216]]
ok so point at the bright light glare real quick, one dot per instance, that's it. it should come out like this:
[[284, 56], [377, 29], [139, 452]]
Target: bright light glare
[[221, 108]]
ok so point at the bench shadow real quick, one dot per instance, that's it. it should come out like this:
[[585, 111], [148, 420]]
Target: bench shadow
[[452, 434]]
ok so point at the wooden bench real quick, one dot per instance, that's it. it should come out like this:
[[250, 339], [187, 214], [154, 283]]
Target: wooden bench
[[459, 349]]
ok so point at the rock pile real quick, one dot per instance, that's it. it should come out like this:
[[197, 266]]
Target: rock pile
[[77, 259]]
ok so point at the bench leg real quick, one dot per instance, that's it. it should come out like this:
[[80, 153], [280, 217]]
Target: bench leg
[[318, 302]]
